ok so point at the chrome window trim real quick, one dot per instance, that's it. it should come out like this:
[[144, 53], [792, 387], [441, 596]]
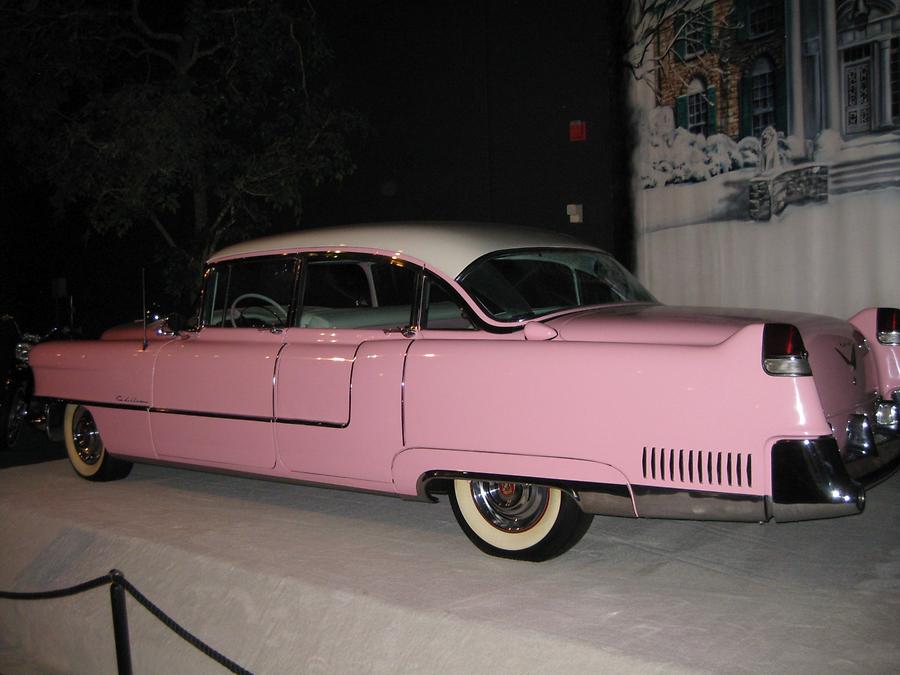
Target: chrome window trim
[[477, 324], [207, 270], [511, 326], [351, 256]]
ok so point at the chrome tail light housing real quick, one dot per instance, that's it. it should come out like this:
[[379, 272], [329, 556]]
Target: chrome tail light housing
[[887, 324], [784, 353]]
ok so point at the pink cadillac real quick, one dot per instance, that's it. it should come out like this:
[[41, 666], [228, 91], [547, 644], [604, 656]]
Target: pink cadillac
[[525, 375]]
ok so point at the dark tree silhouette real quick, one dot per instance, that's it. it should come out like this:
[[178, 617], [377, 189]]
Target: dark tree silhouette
[[198, 120]]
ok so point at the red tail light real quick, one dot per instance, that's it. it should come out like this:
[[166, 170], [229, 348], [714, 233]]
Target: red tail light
[[888, 325], [783, 351]]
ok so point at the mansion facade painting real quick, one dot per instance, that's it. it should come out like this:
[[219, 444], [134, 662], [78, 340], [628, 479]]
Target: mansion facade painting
[[737, 66], [766, 171]]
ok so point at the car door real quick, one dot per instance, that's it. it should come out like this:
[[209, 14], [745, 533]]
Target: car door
[[213, 387], [339, 378]]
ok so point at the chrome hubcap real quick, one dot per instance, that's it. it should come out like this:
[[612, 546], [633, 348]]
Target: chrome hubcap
[[511, 507], [85, 437]]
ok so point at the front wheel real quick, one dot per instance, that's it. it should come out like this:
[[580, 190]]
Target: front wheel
[[518, 520], [86, 450]]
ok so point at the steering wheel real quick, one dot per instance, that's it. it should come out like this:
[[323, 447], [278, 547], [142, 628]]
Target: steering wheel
[[276, 310]]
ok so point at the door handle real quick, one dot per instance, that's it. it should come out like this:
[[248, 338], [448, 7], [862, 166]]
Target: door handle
[[405, 331]]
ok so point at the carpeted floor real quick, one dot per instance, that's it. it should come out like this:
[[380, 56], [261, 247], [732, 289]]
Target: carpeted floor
[[290, 579]]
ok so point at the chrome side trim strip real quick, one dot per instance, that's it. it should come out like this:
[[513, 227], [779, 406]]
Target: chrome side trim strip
[[312, 423], [213, 415], [219, 416], [658, 502], [114, 406]]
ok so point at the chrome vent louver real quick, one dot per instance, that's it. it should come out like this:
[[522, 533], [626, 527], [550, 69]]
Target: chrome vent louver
[[697, 467]]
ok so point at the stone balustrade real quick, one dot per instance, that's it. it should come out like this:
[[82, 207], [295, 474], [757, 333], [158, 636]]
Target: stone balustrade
[[771, 194]]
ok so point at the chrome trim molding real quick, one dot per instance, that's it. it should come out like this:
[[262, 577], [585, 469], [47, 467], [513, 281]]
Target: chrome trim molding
[[887, 415], [114, 406], [206, 468], [212, 415], [657, 502], [889, 337], [860, 439], [697, 467], [873, 469], [787, 366], [605, 500], [810, 480], [599, 499]]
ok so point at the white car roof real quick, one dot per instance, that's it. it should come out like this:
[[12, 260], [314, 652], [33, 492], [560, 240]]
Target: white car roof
[[445, 246]]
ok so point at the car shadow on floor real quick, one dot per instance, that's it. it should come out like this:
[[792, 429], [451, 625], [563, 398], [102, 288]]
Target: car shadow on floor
[[32, 447]]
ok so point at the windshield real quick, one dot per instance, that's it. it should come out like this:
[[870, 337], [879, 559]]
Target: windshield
[[523, 284]]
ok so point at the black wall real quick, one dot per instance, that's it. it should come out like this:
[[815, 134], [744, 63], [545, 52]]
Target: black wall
[[469, 104]]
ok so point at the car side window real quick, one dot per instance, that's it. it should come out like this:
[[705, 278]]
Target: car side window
[[253, 293], [443, 308], [356, 291]]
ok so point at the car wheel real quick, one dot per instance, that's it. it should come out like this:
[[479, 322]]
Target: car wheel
[[518, 520], [12, 415], [86, 450]]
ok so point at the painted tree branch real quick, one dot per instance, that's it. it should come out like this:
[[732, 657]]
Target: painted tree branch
[[149, 32]]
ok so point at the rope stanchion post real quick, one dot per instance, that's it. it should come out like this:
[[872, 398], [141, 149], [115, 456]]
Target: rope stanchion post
[[120, 622], [119, 585]]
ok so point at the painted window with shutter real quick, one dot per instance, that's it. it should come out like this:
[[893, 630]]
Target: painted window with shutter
[[760, 18], [694, 33], [699, 112], [762, 95], [681, 112]]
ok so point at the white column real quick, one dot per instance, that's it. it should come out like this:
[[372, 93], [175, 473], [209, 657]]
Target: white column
[[885, 82], [833, 118], [795, 41]]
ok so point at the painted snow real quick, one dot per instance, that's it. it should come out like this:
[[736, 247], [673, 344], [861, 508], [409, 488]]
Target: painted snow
[[822, 70]]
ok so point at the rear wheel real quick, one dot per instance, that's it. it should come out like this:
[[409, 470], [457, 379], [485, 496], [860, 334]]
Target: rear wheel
[[518, 520], [12, 415], [86, 450]]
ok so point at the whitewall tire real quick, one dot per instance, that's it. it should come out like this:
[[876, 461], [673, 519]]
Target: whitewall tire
[[517, 520], [85, 448]]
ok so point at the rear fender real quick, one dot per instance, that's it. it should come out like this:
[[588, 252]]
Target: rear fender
[[598, 488], [887, 357]]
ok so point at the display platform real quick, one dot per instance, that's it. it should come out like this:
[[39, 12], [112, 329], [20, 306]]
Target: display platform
[[292, 579]]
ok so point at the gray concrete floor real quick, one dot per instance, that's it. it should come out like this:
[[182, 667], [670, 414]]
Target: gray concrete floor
[[291, 579]]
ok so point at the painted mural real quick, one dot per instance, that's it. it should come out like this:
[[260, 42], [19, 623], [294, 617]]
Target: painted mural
[[767, 169]]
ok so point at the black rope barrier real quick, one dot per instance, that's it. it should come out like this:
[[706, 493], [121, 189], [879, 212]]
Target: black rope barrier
[[118, 586], [173, 626], [59, 592]]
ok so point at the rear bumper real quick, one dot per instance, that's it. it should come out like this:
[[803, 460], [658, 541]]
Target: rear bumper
[[875, 466], [811, 479]]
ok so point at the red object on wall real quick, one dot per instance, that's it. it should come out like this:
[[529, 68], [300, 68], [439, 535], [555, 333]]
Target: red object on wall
[[577, 131]]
